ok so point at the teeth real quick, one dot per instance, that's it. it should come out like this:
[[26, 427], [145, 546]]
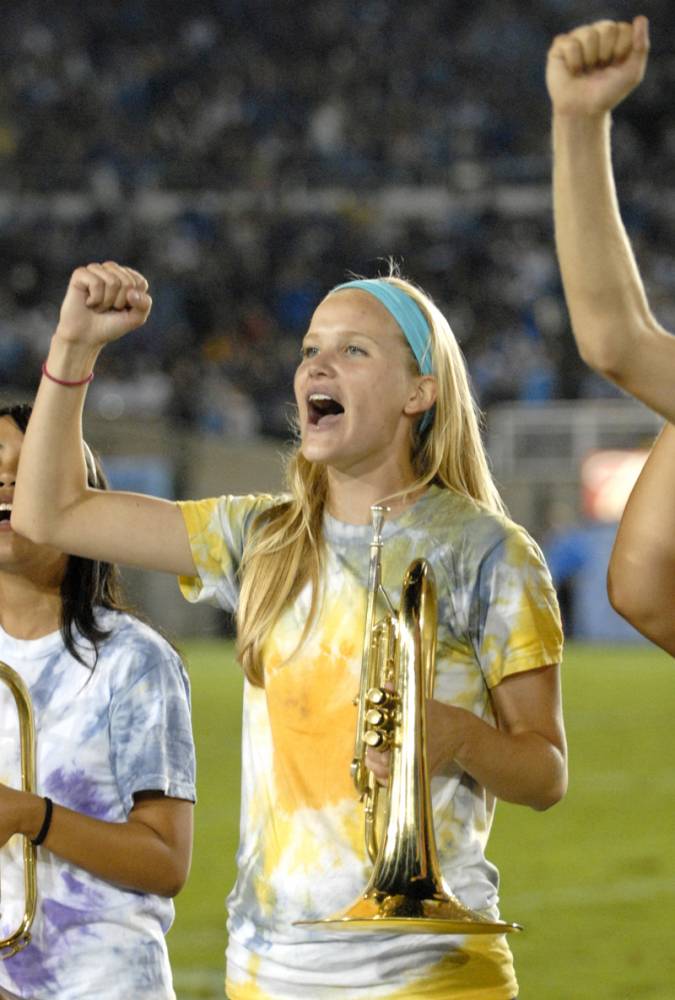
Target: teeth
[[316, 396], [5, 506]]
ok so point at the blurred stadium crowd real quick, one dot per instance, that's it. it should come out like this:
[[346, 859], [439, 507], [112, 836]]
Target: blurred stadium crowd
[[247, 154]]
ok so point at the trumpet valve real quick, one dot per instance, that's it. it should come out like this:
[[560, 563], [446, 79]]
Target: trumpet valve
[[376, 738], [376, 718], [378, 732], [380, 718], [380, 698]]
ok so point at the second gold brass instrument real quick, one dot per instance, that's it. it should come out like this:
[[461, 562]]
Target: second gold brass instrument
[[20, 937], [406, 892]]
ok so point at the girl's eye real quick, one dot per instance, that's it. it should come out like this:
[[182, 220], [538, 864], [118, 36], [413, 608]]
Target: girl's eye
[[308, 352], [353, 349]]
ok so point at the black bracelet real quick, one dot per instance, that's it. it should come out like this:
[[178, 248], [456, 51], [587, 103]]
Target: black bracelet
[[44, 829]]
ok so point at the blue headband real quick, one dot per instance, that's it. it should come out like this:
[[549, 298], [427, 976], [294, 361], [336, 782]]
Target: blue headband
[[405, 311]]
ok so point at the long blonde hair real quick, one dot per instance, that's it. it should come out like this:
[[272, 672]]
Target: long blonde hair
[[285, 549]]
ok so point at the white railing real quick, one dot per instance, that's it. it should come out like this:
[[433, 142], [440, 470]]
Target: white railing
[[549, 442]]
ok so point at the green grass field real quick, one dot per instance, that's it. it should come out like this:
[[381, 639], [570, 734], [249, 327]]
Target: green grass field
[[592, 880]]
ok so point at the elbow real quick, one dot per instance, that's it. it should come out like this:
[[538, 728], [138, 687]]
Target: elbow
[[639, 605], [601, 354], [46, 526], [610, 341], [30, 528], [170, 890], [648, 610], [178, 883], [552, 786], [172, 881], [176, 874], [625, 600], [553, 793], [552, 797]]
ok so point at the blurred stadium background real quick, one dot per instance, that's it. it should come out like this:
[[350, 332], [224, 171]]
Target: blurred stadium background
[[246, 156]]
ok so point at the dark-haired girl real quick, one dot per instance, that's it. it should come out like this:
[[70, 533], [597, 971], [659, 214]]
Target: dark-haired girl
[[112, 816]]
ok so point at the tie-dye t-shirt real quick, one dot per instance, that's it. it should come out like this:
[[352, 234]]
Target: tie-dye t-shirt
[[302, 852], [101, 736]]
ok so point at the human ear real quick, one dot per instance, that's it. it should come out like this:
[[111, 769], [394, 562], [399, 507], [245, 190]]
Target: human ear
[[423, 396]]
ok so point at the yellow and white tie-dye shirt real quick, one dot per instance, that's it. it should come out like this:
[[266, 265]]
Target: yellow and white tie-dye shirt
[[302, 854]]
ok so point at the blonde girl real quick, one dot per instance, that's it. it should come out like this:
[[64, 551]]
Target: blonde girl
[[384, 412]]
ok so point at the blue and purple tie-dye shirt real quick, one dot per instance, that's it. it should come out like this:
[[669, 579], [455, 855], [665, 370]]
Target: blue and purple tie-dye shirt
[[101, 737]]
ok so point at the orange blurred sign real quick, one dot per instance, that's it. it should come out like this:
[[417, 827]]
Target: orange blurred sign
[[607, 478]]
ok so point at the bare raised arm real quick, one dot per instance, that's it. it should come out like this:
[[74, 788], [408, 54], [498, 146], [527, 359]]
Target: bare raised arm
[[589, 71], [52, 502], [642, 568]]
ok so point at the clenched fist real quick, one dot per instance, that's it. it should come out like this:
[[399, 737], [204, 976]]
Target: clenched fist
[[591, 69], [103, 303]]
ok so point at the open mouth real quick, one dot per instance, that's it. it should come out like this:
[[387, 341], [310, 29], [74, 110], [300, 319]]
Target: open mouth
[[5, 512], [320, 406]]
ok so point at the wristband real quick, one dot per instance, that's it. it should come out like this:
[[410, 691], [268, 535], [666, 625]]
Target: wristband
[[46, 823], [60, 381]]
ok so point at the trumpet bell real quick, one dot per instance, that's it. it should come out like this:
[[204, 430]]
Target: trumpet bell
[[441, 913]]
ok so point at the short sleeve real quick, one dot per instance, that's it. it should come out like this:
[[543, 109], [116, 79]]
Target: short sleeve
[[217, 529], [151, 731], [515, 615]]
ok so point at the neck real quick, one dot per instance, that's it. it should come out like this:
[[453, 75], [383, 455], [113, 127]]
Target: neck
[[351, 497], [29, 607]]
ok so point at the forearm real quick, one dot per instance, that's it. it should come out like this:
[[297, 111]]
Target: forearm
[[52, 502], [525, 768], [130, 854], [52, 470], [604, 292], [642, 567]]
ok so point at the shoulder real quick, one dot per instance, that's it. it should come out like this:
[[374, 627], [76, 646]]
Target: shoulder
[[134, 647], [477, 550], [458, 523], [227, 513]]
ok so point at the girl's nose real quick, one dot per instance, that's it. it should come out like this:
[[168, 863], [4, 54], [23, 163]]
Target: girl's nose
[[322, 363], [8, 474]]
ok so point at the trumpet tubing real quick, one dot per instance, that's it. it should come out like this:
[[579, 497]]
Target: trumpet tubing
[[20, 937]]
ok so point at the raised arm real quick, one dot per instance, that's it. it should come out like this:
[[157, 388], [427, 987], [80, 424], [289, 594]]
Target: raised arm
[[589, 71], [52, 502]]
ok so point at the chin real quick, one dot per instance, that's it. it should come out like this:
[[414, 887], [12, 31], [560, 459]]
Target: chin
[[313, 453], [314, 448]]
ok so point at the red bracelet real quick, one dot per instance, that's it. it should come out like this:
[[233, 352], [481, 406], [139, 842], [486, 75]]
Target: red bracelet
[[60, 381]]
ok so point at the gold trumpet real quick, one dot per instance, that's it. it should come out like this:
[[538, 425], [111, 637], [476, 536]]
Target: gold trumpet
[[406, 893], [19, 938]]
